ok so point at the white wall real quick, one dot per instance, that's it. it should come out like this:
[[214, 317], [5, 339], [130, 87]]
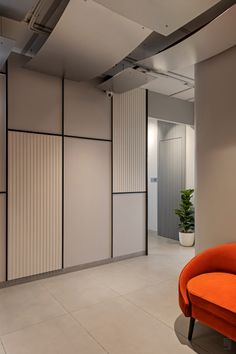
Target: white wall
[[215, 105], [152, 172], [190, 157]]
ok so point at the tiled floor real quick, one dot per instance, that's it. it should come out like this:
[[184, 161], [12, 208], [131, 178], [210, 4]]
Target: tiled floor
[[129, 307]]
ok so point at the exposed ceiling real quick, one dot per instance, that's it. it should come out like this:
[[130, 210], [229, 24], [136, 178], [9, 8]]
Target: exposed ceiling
[[88, 40], [161, 16], [16, 9], [179, 85], [217, 36], [127, 43]]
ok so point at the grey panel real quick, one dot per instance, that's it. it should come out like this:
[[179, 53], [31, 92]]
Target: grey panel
[[170, 108], [2, 134], [88, 40], [34, 99], [128, 223], [2, 237], [215, 150], [171, 176], [87, 110], [126, 80], [87, 201]]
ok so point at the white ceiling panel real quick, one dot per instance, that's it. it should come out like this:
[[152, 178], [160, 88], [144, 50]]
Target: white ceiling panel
[[185, 95], [126, 80], [211, 40], [88, 40], [186, 72], [165, 85], [163, 16]]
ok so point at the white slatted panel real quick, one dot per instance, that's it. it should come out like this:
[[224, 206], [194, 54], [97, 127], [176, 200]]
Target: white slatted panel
[[129, 141], [34, 204], [2, 237], [2, 133]]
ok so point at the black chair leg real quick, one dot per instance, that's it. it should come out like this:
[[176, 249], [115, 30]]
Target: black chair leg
[[191, 327]]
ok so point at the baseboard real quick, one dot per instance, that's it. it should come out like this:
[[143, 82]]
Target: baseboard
[[77, 268]]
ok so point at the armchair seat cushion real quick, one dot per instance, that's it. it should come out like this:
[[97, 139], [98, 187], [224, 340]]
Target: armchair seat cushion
[[215, 293]]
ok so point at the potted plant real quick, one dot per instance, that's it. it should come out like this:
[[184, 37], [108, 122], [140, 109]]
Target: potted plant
[[186, 218]]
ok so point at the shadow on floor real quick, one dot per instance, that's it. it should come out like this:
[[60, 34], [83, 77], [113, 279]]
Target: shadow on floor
[[205, 340]]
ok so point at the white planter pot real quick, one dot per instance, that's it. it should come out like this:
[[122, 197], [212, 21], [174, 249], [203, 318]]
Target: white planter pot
[[186, 239]]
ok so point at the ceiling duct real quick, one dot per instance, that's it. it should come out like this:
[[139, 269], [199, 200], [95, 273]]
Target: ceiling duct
[[218, 36], [87, 40], [41, 20], [215, 37]]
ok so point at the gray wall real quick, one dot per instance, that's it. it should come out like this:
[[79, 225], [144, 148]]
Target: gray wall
[[170, 108], [216, 150]]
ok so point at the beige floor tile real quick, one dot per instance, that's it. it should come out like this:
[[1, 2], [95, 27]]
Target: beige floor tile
[[27, 304], [161, 301], [79, 292], [62, 335], [122, 328], [123, 281]]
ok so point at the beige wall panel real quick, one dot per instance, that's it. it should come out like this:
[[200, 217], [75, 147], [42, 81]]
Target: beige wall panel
[[2, 133], [215, 106], [34, 204], [128, 223], [87, 201], [2, 237], [87, 110], [34, 99], [129, 141]]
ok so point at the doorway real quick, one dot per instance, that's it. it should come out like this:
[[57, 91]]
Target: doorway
[[170, 169]]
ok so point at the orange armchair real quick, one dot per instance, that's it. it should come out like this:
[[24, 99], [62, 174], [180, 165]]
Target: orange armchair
[[207, 290]]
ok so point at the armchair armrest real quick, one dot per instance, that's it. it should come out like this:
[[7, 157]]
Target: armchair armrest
[[218, 259]]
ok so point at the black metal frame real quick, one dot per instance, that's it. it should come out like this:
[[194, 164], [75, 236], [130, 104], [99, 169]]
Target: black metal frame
[[112, 228], [191, 328], [146, 175], [63, 165], [6, 227]]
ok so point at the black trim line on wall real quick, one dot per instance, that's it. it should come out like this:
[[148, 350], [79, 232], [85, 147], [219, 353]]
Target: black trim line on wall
[[33, 132], [86, 138], [63, 166], [112, 227], [6, 171], [56, 134], [3, 192], [141, 192], [146, 174]]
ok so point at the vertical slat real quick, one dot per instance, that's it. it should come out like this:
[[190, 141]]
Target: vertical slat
[[129, 141], [34, 209], [2, 133], [2, 237]]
